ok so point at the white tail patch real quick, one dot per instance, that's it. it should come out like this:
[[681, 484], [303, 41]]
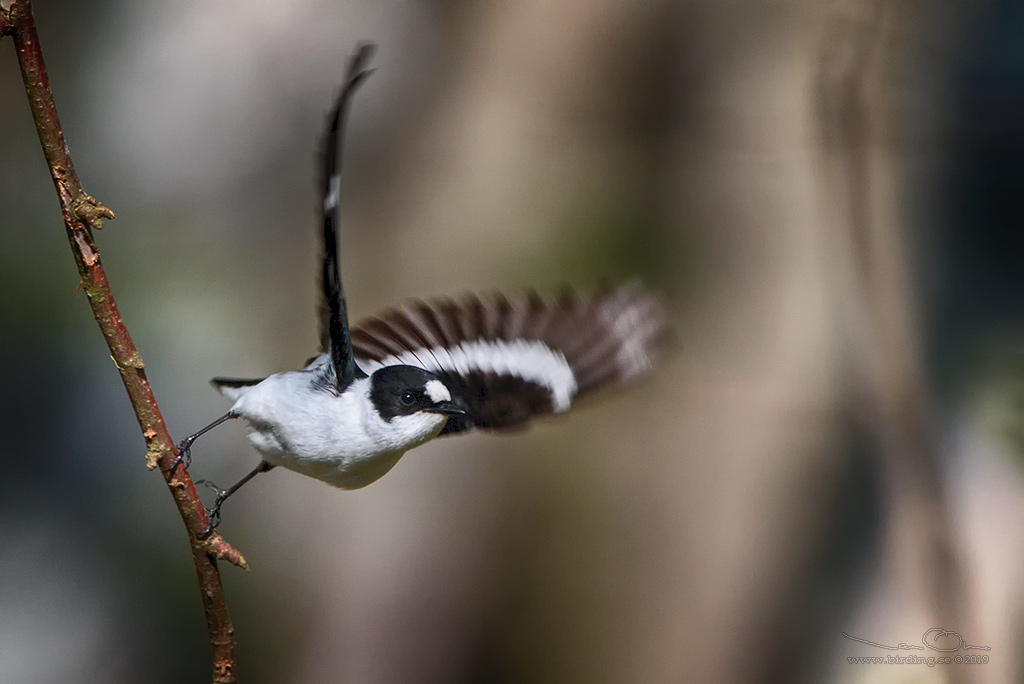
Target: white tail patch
[[233, 393], [530, 360], [333, 193]]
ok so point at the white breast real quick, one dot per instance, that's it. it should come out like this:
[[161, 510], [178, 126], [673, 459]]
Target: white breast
[[337, 438]]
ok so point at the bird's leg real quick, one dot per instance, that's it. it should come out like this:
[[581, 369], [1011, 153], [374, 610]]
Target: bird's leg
[[222, 494], [184, 447]]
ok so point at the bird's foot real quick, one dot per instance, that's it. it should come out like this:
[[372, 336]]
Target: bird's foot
[[184, 449], [213, 513]]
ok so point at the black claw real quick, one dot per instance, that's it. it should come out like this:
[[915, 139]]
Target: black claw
[[210, 485], [222, 494], [184, 457], [185, 452], [184, 447], [213, 513], [214, 521]]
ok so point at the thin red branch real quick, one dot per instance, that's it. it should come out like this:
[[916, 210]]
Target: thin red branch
[[81, 214]]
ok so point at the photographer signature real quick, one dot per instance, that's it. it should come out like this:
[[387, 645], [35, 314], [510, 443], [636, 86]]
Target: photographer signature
[[934, 633]]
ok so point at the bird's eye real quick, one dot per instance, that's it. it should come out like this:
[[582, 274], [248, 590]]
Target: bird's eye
[[408, 398]]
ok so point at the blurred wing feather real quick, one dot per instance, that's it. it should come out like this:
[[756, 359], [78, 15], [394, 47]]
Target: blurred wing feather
[[509, 360]]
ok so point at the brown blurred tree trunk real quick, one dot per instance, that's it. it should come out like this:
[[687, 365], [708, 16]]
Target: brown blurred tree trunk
[[684, 529]]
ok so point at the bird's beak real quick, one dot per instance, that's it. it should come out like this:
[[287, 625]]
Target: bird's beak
[[446, 408]]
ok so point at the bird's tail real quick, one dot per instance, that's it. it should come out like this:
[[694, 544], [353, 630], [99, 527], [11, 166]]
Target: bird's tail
[[233, 388]]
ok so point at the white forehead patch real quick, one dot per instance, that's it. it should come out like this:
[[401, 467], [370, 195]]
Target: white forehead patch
[[437, 391]]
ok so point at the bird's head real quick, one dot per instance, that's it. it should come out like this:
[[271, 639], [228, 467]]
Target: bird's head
[[398, 391]]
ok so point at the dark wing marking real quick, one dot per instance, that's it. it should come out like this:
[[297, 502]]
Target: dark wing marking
[[510, 360], [495, 401], [334, 332]]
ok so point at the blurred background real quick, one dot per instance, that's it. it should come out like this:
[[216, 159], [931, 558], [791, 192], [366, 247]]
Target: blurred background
[[826, 191]]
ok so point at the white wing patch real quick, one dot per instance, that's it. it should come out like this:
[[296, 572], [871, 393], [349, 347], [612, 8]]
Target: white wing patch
[[530, 360]]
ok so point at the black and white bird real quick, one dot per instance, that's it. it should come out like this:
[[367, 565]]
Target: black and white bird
[[429, 368]]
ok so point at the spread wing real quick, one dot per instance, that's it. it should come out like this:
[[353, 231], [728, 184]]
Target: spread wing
[[510, 360], [334, 331]]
